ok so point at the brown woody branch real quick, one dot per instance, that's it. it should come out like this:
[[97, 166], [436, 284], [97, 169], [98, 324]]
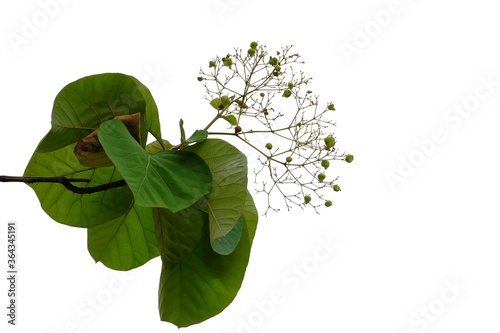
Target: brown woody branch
[[66, 182]]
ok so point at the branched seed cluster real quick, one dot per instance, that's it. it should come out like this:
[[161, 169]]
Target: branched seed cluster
[[264, 96]]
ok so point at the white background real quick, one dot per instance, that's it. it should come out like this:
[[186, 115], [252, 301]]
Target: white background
[[399, 245]]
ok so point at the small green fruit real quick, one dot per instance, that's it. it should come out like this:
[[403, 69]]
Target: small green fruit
[[262, 94], [309, 92], [287, 93], [325, 164], [211, 64], [254, 45], [329, 141], [200, 78], [251, 52], [290, 85], [336, 188], [331, 107], [227, 61], [225, 101], [307, 199], [269, 146], [349, 158], [276, 73], [328, 203], [273, 61], [289, 159], [321, 177]]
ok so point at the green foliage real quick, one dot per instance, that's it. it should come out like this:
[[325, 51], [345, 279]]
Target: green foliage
[[73, 209], [126, 242], [197, 136], [188, 202], [81, 106], [196, 283], [227, 197], [169, 179]]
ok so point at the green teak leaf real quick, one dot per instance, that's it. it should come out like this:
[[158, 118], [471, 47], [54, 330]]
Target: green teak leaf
[[126, 242], [152, 116], [226, 244], [229, 186], [231, 119], [177, 234], [81, 106], [198, 136], [197, 283], [77, 210], [169, 179]]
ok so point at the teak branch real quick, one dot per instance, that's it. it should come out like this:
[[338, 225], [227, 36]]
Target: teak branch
[[66, 182]]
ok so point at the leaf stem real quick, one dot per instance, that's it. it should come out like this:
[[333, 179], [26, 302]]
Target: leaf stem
[[217, 117]]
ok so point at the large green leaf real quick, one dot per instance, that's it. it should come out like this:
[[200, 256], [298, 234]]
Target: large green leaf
[[196, 283], [152, 117], [78, 210], [229, 186], [169, 179], [81, 106], [177, 234], [126, 242]]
